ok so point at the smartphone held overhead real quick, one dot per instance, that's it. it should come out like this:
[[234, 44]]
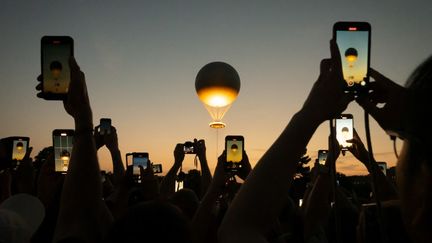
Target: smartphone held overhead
[[56, 75], [234, 147], [344, 130], [63, 144], [353, 40]]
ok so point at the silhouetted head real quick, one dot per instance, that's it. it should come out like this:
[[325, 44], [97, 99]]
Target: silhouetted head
[[414, 170], [151, 222], [187, 201]]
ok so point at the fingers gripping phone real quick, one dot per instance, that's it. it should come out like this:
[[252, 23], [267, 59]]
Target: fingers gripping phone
[[234, 147], [344, 130], [105, 126], [55, 54], [353, 40], [63, 144]]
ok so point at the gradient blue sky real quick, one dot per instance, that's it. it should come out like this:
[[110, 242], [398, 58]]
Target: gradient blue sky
[[141, 58]]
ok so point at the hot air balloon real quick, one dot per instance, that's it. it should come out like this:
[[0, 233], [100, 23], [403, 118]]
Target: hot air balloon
[[217, 85], [351, 55], [20, 146], [65, 155]]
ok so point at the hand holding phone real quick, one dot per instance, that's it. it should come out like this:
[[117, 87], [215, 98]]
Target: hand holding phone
[[234, 147], [56, 73], [105, 126]]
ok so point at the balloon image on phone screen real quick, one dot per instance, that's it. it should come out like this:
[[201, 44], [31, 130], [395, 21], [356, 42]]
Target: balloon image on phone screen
[[344, 130], [63, 143], [353, 40], [55, 54]]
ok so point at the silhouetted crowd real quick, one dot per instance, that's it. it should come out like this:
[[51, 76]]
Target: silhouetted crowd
[[273, 202]]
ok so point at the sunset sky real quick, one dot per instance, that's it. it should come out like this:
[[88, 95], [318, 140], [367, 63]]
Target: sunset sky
[[140, 59]]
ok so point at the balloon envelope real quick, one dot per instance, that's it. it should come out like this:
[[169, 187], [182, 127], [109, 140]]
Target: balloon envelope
[[217, 85], [351, 54]]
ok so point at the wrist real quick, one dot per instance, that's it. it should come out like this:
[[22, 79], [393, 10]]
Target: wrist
[[114, 149], [83, 125]]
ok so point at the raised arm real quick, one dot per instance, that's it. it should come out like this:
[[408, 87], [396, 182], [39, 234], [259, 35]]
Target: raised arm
[[206, 177], [81, 207], [263, 194], [205, 216], [385, 189], [111, 142], [167, 186]]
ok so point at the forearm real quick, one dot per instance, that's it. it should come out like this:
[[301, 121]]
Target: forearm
[[118, 167], [206, 177], [317, 206], [267, 185], [167, 186], [385, 189], [205, 214], [82, 191]]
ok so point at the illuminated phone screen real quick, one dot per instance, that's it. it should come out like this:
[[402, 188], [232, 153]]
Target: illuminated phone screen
[[19, 149], [322, 156], [344, 131], [63, 144], [139, 160], [354, 49], [55, 67], [234, 151]]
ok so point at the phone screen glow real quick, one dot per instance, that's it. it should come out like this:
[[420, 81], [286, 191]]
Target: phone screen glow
[[344, 131], [234, 151], [139, 161], [62, 152], [353, 47], [19, 149], [56, 67], [322, 157]]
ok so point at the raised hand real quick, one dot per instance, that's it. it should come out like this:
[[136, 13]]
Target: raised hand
[[111, 140], [358, 149], [246, 167], [327, 98], [395, 99], [179, 154]]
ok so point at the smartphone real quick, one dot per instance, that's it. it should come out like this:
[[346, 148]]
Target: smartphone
[[139, 159], [322, 156], [12, 151], [55, 54], [105, 126], [157, 168], [344, 130], [383, 167], [189, 148], [234, 147], [354, 40], [178, 185], [63, 144]]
